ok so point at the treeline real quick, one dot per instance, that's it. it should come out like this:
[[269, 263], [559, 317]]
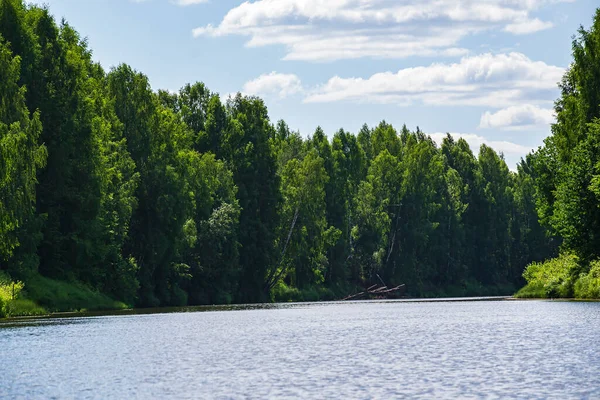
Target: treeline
[[158, 198], [566, 172]]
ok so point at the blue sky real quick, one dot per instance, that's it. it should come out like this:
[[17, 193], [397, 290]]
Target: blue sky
[[485, 70]]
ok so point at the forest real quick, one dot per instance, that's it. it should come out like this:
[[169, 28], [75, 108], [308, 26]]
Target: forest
[[113, 194]]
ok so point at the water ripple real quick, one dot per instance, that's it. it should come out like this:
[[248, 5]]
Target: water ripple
[[509, 349]]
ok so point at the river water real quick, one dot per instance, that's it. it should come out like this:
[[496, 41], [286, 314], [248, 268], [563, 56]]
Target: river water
[[363, 350]]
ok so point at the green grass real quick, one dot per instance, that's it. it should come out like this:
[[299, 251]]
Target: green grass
[[40, 295], [23, 308], [64, 296]]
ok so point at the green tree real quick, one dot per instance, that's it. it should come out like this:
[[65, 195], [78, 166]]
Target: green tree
[[349, 169], [247, 147], [378, 200], [81, 134], [20, 158], [212, 233], [565, 168], [154, 137], [304, 190], [495, 246]]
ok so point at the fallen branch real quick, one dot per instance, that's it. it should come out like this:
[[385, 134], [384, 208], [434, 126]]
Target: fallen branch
[[374, 291]]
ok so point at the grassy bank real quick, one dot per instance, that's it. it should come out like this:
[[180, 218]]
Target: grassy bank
[[64, 296], [562, 277], [40, 295]]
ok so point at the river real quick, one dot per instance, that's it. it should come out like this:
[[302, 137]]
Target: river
[[364, 350]]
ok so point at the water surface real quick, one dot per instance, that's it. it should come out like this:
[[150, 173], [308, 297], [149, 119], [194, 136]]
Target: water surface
[[520, 349]]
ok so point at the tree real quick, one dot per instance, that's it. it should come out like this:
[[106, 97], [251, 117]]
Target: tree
[[495, 248], [213, 254], [423, 188], [303, 186], [247, 147], [20, 158], [75, 195], [154, 137], [564, 169], [349, 169], [378, 200]]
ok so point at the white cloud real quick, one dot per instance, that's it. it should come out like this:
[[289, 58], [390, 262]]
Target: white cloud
[[317, 30], [513, 152], [525, 27], [518, 117], [281, 85], [496, 81]]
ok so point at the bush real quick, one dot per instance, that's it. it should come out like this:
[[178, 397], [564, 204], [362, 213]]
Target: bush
[[588, 285], [11, 302], [553, 278], [9, 291], [282, 293], [531, 292]]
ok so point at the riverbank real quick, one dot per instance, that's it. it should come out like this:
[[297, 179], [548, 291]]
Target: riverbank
[[239, 307], [40, 296], [260, 306], [283, 293]]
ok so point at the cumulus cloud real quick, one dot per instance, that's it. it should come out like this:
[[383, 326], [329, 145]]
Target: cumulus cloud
[[493, 80], [512, 152], [518, 117], [475, 141], [525, 27], [316, 30], [274, 84]]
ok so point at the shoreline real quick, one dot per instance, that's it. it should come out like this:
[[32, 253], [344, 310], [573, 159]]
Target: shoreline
[[237, 307], [267, 306]]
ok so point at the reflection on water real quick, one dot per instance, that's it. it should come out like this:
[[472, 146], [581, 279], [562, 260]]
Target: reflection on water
[[372, 349]]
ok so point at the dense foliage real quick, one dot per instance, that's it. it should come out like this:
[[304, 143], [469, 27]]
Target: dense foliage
[[158, 198], [566, 173]]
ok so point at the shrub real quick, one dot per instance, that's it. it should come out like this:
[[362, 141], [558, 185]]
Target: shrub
[[11, 302], [588, 285], [9, 290], [282, 293], [551, 278]]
